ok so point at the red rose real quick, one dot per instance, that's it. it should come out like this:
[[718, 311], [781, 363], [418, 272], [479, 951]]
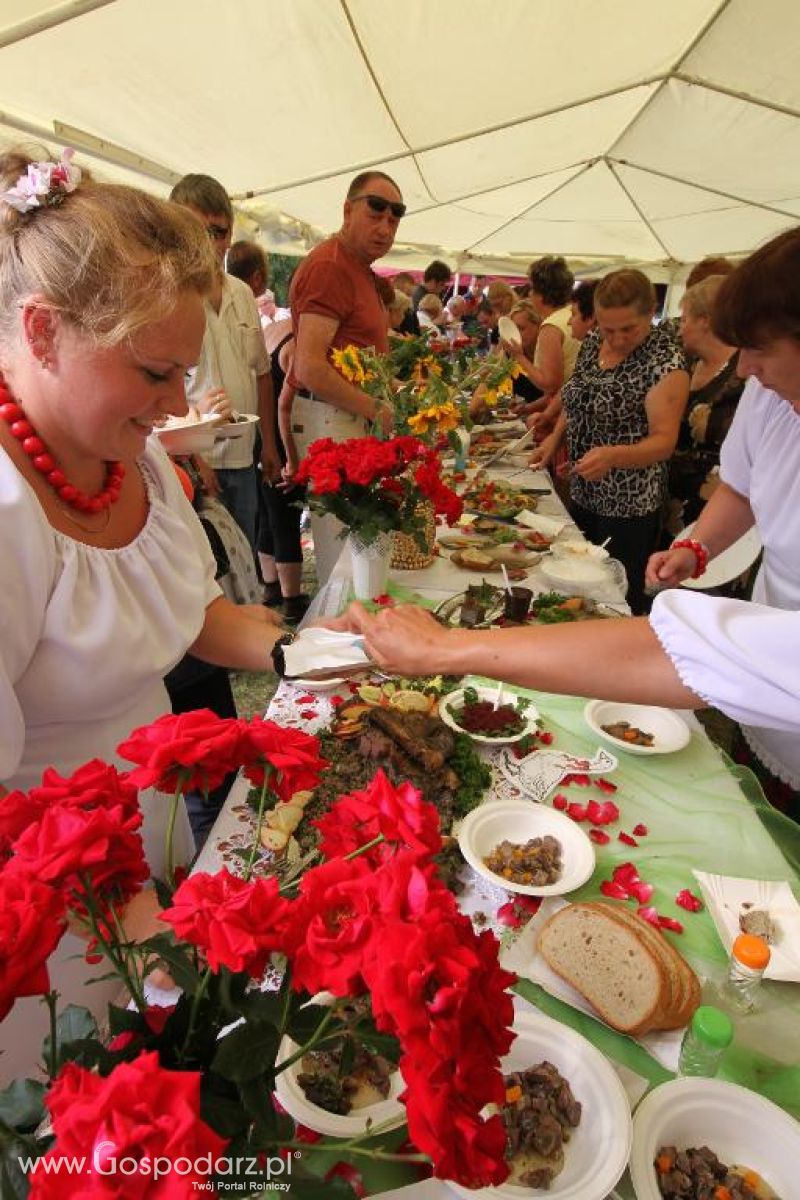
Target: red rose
[[462, 1145], [193, 751], [31, 924], [399, 813], [17, 812], [293, 755], [102, 844], [94, 785], [236, 923], [333, 927], [139, 1113]]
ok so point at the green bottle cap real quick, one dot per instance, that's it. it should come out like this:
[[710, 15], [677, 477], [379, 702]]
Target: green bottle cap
[[712, 1026]]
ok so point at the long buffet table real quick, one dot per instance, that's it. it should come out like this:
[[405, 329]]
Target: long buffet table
[[700, 812]]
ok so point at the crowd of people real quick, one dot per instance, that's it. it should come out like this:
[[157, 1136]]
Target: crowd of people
[[118, 309]]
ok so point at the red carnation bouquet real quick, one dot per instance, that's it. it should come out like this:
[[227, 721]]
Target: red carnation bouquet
[[167, 1099], [375, 486]]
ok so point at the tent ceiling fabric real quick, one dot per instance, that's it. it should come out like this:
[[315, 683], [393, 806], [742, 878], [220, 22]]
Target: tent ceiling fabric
[[610, 133]]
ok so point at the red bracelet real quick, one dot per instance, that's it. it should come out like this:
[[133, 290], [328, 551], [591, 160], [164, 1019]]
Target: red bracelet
[[699, 551]]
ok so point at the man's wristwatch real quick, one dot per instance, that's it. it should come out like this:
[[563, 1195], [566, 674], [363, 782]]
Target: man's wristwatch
[[278, 659]]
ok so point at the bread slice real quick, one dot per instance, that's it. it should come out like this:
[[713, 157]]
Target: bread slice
[[654, 941], [609, 964], [686, 985]]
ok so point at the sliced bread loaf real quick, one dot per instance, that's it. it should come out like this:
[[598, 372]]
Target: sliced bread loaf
[[609, 964]]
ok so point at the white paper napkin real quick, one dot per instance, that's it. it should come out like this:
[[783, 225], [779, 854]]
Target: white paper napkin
[[549, 526], [315, 650]]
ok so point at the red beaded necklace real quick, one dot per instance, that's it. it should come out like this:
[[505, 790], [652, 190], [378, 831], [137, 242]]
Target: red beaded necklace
[[44, 462]]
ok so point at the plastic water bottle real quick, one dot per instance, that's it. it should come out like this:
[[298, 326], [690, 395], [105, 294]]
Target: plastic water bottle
[[705, 1041], [749, 959]]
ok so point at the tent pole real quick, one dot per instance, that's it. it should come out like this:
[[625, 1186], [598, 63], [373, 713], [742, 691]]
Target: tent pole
[[705, 187], [48, 20]]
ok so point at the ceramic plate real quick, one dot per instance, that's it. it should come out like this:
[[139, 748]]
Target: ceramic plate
[[518, 821], [669, 732], [450, 610], [596, 1154], [740, 1126], [455, 700], [725, 895]]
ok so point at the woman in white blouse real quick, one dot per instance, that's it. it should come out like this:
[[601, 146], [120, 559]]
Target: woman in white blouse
[[107, 574]]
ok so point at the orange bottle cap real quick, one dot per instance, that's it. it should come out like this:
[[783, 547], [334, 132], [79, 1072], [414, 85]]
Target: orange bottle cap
[[751, 951]]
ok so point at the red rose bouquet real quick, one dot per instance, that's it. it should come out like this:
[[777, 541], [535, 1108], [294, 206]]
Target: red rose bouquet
[[375, 486], [169, 1101]]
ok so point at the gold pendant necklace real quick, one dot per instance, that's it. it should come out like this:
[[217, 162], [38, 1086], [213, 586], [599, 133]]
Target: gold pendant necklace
[[88, 528]]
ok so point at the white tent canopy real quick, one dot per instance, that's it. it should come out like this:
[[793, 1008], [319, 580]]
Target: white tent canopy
[[615, 132]]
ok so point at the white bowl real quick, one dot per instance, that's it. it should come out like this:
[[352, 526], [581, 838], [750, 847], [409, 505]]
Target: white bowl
[[573, 574], [297, 1104], [518, 821], [236, 429], [179, 436], [574, 549], [456, 700], [596, 1154], [741, 1127], [669, 732]]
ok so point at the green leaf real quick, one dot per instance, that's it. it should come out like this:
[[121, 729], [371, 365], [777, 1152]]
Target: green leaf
[[246, 1052], [224, 1113], [177, 961], [321, 1189], [13, 1183], [74, 1024], [164, 893], [124, 1020], [22, 1104], [303, 1023]]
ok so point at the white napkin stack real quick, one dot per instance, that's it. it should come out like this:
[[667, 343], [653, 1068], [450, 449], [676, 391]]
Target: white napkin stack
[[548, 526]]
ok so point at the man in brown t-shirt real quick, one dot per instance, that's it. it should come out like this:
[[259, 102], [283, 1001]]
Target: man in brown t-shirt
[[335, 303]]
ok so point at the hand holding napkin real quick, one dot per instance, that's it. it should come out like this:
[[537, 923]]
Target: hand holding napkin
[[317, 653]]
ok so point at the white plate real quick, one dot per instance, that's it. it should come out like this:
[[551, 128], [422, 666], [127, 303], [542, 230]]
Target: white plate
[[572, 573], [596, 1154], [456, 700], [509, 331], [740, 1126], [236, 429], [294, 1100], [729, 565], [497, 820], [669, 732], [317, 685], [725, 894], [181, 436]]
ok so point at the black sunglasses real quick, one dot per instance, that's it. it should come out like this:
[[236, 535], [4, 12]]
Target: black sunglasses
[[379, 205], [218, 232]]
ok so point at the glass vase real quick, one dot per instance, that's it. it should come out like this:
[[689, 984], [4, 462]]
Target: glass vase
[[370, 564]]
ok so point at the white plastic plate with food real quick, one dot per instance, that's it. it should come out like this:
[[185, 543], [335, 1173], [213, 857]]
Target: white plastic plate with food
[[668, 732], [236, 427], [297, 1104], [596, 1154], [741, 1127], [730, 898], [452, 704], [487, 826], [192, 434]]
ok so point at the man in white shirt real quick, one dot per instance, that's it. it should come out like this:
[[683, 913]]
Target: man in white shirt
[[233, 373]]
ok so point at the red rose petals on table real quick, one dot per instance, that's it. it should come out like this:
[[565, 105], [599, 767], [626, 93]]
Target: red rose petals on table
[[560, 801], [577, 812], [649, 914], [517, 912], [600, 836], [627, 840], [686, 899], [308, 714], [614, 891], [579, 780], [640, 830], [309, 699], [602, 812], [641, 891], [605, 785], [670, 923]]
